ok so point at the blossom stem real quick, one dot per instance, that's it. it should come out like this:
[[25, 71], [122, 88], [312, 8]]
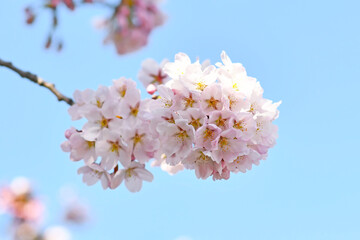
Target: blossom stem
[[39, 81]]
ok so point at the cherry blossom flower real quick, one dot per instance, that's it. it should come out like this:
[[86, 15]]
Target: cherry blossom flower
[[133, 175], [207, 137], [202, 162], [93, 173], [212, 98], [229, 147], [112, 148], [177, 141], [151, 74], [141, 143], [80, 148]]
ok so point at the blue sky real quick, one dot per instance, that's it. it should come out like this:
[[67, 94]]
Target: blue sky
[[305, 53]]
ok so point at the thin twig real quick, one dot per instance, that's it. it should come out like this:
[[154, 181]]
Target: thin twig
[[35, 79]]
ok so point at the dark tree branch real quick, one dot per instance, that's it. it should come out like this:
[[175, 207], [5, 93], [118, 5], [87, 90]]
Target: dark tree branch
[[39, 81]]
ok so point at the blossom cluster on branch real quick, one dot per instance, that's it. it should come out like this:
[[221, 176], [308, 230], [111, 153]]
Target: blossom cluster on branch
[[128, 26], [209, 118]]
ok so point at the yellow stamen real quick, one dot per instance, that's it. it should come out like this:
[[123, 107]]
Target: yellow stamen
[[99, 104], [220, 122], [134, 111], [208, 134], [138, 138], [212, 102], [240, 125], [189, 102], [195, 123], [182, 135], [224, 143], [122, 90], [90, 144], [200, 86], [104, 123]]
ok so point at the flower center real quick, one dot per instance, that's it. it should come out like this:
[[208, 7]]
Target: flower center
[[224, 143], [212, 102]]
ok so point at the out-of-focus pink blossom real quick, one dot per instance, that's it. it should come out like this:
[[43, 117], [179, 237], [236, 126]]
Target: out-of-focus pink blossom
[[133, 177], [130, 27], [68, 3], [18, 201]]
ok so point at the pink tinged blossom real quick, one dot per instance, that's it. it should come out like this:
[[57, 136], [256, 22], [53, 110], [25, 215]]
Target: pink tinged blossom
[[88, 101], [178, 68], [167, 97], [112, 148], [93, 173], [197, 79], [222, 173], [233, 75], [229, 147], [207, 137], [202, 162], [141, 143], [188, 99], [221, 118], [75, 111], [125, 89], [211, 98], [151, 74], [177, 141], [266, 132], [195, 117], [80, 148], [100, 120], [134, 109], [270, 109], [244, 125], [133, 175], [244, 162], [235, 100]]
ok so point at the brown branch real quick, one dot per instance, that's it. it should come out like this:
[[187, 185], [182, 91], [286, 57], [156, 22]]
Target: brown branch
[[39, 81]]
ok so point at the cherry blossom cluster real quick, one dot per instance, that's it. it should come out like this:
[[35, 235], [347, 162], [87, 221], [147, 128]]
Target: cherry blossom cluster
[[212, 119], [128, 26], [116, 141], [209, 118]]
